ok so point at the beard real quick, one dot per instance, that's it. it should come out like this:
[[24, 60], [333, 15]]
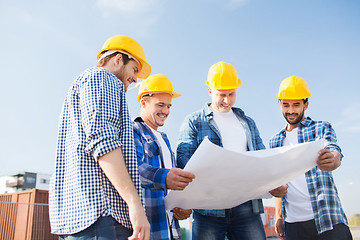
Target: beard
[[296, 120]]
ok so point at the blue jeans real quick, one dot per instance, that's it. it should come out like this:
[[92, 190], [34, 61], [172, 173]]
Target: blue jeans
[[239, 223], [105, 228], [307, 231]]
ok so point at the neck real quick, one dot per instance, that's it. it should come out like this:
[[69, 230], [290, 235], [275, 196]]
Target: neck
[[146, 120], [290, 127]]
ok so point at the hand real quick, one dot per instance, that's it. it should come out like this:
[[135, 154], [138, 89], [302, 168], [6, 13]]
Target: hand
[[181, 214], [279, 228], [328, 161], [279, 191], [139, 223], [178, 179]]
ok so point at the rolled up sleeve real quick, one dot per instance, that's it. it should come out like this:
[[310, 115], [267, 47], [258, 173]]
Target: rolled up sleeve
[[100, 104]]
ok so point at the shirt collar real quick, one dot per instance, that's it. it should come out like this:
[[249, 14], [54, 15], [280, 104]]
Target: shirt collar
[[209, 112], [138, 119], [304, 123]]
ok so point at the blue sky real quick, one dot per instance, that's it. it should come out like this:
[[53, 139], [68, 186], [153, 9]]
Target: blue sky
[[46, 44]]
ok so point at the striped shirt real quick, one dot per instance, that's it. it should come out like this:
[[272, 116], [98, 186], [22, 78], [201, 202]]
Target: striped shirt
[[94, 121], [324, 197]]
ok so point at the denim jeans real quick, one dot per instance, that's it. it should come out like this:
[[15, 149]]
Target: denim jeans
[[105, 228], [239, 223], [307, 231]]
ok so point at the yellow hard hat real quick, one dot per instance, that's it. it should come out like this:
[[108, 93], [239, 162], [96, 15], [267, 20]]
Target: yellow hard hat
[[223, 76], [293, 88], [129, 46], [157, 83]]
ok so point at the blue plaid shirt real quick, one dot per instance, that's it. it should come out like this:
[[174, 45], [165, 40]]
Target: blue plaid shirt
[[93, 122], [323, 193], [153, 180], [201, 124]]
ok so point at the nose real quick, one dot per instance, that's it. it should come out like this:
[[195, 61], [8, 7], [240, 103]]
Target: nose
[[134, 79], [226, 100], [165, 110], [290, 110]]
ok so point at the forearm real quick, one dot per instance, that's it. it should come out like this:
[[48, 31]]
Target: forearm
[[278, 209], [152, 178], [114, 167]]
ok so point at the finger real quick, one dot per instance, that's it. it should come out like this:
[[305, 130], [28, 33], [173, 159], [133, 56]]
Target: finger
[[326, 156], [185, 179], [141, 234], [135, 234], [181, 185], [186, 174], [324, 150], [147, 234]]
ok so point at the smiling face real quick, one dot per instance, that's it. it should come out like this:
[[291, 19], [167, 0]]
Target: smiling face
[[293, 111], [155, 109], [222, 100]]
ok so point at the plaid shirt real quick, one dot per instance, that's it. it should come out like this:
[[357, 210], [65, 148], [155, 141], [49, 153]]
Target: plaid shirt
[[153, 180], [201, 124], [323, 193], [93, 122]]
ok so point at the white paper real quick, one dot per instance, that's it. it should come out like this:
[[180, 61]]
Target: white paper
[[225, 179]]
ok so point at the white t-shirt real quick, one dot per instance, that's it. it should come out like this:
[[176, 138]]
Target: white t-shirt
[[297, 205], [164, 148], [168, 164], [232, 132]]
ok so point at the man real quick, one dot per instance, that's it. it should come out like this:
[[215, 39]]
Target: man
[[228, 127], [311, 208], [157, 167], [92, 192]]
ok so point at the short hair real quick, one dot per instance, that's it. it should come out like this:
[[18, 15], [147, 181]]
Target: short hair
[[146, 97], [103, 61]]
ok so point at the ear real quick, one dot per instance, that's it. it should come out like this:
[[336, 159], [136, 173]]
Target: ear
[[118, 59], [142, 102], [306, 105]]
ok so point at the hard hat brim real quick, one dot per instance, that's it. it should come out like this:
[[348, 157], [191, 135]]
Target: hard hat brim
[[173, 94], [145, 69]]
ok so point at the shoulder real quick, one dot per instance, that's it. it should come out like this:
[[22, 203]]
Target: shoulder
[[97, 75], [276, 136], [242, 114], [138, 125], [308, 122], [195, 116], [94, 72]]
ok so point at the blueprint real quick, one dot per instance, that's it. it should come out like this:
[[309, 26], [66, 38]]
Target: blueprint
[[225, 179]]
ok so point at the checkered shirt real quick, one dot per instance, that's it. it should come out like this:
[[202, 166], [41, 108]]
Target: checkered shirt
[[93, 122], [323, 193], [153, 180], [201, 124]]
